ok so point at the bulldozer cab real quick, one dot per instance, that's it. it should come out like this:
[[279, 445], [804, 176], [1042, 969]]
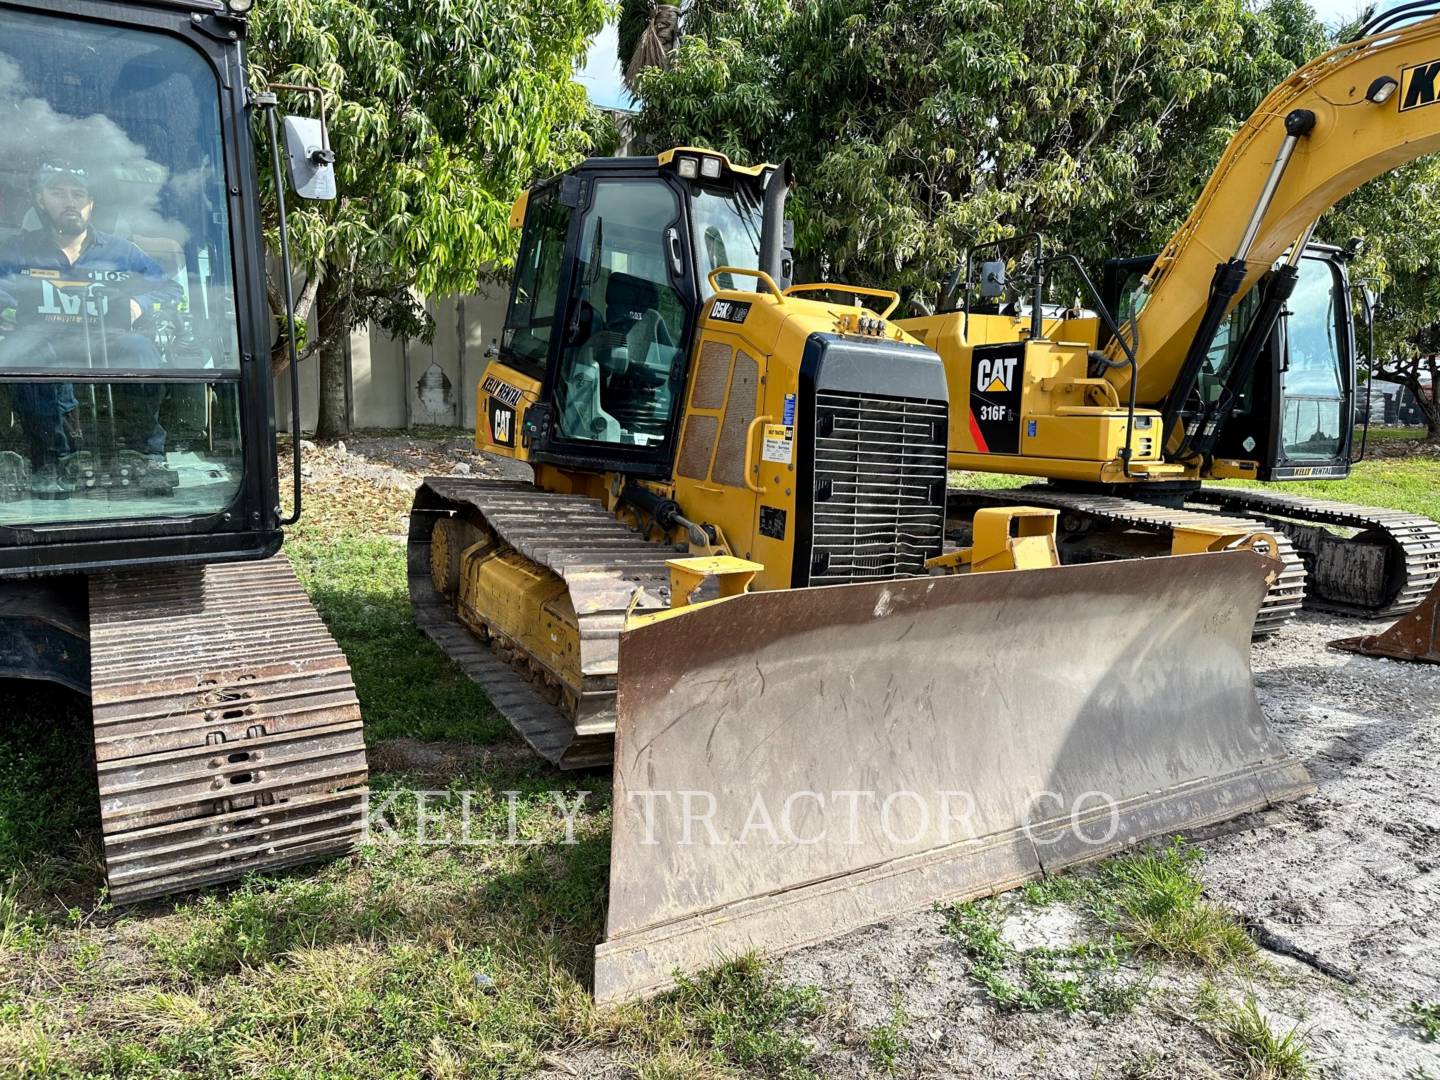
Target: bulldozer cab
[[612, 272], [136, 423], [1294, 412]]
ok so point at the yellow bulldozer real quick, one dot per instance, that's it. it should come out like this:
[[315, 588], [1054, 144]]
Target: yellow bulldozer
[[729, 581], [1229, 356]]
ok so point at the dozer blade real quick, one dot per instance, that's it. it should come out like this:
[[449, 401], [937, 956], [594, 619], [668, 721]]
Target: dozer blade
[[793, 765], [1415, 636]]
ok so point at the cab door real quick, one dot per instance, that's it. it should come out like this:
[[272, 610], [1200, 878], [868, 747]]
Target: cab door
[[618, 359]]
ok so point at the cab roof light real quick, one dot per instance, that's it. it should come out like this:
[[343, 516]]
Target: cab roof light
[[688, 167], [710, 167]]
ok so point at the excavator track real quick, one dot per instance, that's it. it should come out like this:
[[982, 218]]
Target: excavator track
[[1384, 569], [602, 563], [227, 731], [1280, 603]]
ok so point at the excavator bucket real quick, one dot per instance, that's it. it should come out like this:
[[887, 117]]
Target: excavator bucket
[[793, 765], [1415, 636]]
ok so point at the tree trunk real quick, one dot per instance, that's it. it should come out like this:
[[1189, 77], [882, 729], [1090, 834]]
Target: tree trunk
[[334, 422]]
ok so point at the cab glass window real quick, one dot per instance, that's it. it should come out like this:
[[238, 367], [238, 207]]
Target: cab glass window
[[1312, 421], [531, 318], [727, 233], [617, 382], [119, 354]]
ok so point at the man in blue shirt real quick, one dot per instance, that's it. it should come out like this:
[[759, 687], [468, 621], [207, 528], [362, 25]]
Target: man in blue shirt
[[71, 298]]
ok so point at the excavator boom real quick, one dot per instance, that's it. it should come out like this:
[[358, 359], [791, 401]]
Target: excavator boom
[[1370, 110]]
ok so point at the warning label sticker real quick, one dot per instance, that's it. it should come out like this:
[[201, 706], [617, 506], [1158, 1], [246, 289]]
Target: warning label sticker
[[779, 444]]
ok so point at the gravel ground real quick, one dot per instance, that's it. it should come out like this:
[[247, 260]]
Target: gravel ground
[[1346, 879], [1342, 888]]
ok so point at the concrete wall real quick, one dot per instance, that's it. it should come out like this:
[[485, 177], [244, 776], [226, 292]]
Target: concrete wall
[[399, 384]]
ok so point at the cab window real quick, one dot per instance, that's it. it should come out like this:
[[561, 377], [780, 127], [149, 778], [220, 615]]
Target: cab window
[[531, 318], [1313, 421], [627, 328], [727, 233], [119, 333]]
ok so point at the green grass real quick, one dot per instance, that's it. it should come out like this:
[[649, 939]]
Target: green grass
[[886, 1043], [738, 1015], [1142, 907], [1425, 1015], [1082, 978], [1400, 483], [1404, 482], [1157, 906], [1245, 1036]]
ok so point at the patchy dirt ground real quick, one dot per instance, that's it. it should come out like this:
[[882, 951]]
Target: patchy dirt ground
[[1345, 880], [1341, 889]]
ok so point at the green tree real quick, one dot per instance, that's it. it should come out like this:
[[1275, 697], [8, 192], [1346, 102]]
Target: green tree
[[440, 112], [921, 130]]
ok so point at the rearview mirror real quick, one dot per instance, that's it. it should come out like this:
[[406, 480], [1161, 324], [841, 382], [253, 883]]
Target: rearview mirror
[[310, 160], [992, 279]]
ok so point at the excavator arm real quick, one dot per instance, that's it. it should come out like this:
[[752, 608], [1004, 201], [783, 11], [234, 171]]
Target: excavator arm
[[1346, 117]]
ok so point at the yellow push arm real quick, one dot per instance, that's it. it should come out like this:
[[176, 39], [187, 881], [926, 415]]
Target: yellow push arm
[[1254, 210]]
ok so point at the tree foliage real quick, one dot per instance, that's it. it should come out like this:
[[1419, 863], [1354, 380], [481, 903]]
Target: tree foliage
[[919, 131], [1397, 218], [440, 112]]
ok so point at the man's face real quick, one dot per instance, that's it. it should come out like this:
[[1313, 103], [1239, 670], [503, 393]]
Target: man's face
[[66, 205]]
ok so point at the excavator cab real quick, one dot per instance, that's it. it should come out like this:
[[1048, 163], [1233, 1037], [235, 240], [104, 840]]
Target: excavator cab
[[1293, 409], [137, 444], [135, 402]]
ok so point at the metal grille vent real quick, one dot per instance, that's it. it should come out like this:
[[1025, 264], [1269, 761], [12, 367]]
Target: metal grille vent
[[879, 498]]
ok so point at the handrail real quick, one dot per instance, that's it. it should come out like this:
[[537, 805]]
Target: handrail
[[764, 279], [858, 290], [758, 489]]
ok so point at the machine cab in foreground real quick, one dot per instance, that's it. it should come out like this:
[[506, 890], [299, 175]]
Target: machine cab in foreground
[[135, 412]]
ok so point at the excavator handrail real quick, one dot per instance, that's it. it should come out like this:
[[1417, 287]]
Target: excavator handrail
[[760, 275], [858, 290]]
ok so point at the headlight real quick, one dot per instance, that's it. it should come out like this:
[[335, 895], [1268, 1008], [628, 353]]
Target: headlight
[[240, 7], [1382, 90]]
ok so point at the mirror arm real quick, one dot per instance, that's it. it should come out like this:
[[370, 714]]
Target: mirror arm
[[267, 102]]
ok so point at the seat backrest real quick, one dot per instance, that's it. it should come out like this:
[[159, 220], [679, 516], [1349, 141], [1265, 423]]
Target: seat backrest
[[627, 299]]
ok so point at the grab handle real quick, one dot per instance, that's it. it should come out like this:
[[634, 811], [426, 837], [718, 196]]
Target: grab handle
[[750, 464], [859, 290], [760, 275]]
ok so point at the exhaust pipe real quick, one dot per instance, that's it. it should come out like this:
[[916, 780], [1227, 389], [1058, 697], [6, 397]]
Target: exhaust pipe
[[772, 225]]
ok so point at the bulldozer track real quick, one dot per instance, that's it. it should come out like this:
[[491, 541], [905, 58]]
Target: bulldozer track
[[1280, 603], [227, 730], [601, 561], [1414, 543]]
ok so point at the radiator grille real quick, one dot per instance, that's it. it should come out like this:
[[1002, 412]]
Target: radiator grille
[[879, 498]]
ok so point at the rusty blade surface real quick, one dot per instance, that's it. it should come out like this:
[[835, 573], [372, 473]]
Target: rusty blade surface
[[791, 765], [1415, 636], [227, 730]]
